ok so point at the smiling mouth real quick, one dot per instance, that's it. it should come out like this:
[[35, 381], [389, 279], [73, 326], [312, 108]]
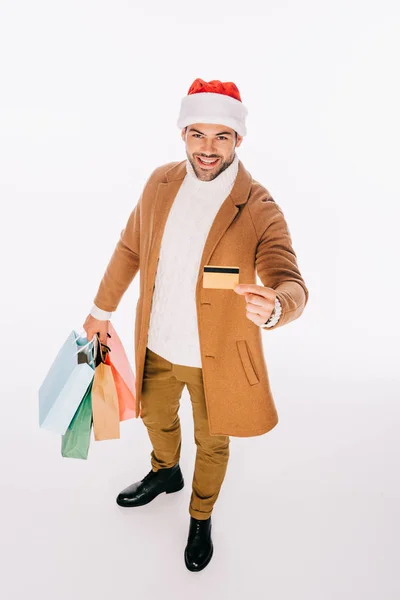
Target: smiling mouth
[[207, 164]]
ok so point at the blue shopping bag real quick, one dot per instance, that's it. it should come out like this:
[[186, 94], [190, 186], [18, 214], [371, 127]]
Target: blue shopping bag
[[66, 382]]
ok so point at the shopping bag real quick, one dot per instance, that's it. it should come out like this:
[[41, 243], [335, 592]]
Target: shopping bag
[[105, 407], [65, 384], [123, 376], [76, 440]]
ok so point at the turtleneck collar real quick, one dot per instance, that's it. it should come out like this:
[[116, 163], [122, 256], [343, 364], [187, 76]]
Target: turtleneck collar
[[224, 180]]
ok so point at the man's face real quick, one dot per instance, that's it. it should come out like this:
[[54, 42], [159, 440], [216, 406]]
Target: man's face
[[216, 142]]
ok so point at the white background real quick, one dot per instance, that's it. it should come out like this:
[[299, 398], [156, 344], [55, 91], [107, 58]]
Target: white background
[[89, 97]]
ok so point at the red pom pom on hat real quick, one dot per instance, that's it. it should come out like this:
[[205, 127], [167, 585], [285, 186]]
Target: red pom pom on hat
[[215, 85], [214, 101]]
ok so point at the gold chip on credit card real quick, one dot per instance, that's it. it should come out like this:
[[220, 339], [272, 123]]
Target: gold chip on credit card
[[220, 277]]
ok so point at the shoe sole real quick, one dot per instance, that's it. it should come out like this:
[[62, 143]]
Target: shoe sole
[[196, 569], [169, 490]]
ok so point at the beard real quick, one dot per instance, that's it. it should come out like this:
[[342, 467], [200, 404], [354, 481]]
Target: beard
[[209, 174]]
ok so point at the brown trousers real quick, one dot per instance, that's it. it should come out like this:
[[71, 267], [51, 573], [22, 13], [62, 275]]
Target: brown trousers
[[163, 384]]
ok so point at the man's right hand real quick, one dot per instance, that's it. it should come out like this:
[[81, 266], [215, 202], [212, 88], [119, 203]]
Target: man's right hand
[[93, 326]]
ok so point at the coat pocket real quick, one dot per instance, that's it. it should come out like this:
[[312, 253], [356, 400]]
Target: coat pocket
[[247, 362]]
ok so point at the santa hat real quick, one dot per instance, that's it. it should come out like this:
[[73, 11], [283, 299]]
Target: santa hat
[[213, 102]]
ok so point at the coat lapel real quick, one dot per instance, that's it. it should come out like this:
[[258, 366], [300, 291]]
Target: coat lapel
[[166, 193]]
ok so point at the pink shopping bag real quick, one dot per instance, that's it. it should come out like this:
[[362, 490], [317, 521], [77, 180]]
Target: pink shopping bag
[[123, 375]]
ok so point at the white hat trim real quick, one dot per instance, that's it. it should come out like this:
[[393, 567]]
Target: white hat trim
[[210, 107]]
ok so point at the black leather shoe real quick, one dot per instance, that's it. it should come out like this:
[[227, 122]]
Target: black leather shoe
[[156, 482], [199, 549]]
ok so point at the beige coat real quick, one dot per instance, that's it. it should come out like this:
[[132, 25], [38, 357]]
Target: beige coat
[[249, 231]]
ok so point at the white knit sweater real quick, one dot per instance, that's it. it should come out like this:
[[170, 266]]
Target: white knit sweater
[[173, 331]]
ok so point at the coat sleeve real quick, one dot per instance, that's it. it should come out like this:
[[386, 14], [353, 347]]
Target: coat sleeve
[[123, 265], [276, 265]]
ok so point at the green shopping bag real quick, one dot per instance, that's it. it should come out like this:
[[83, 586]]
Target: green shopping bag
[[75, 441]]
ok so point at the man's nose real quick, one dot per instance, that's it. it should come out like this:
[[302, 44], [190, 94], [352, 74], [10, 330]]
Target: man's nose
[[208, 147]]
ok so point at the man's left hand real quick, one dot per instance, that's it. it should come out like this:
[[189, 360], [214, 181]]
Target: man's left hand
[[260, 301]]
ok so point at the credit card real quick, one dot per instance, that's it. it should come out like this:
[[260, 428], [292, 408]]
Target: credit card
[[220, 277]]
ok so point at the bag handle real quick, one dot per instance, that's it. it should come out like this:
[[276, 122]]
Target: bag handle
[[101, 351], [97, 346]]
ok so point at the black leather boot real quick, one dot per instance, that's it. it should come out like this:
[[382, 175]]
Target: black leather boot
[[199, 549], [155, 482]]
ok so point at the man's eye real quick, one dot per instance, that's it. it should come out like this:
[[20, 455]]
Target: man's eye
[[220, 136]]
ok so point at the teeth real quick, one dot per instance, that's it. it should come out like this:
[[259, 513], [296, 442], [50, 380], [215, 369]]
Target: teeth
[[208, 161]]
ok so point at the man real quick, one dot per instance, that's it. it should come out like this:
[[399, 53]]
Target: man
[[198, 225]]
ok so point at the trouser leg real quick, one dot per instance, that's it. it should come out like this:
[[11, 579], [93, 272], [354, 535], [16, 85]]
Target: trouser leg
[[161, 393], [212, 454]]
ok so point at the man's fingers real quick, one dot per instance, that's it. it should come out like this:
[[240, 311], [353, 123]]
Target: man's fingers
[[253, 288], [256, 299]]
